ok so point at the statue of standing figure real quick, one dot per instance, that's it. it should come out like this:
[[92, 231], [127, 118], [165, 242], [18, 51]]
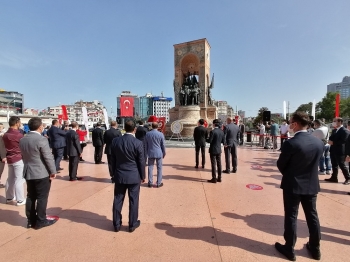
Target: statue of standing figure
[[189, 92]]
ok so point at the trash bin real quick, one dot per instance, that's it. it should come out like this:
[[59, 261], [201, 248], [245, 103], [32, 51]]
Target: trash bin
[[249, 136]]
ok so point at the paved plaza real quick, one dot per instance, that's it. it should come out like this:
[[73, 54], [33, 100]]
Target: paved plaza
[[186, 220]]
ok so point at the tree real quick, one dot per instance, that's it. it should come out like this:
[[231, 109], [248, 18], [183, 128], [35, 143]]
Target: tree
[[307, 108], [259, 117], [345, 107], [326, 107]]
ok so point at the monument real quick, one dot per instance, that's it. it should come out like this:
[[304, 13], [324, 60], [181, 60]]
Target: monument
[[192, 86]]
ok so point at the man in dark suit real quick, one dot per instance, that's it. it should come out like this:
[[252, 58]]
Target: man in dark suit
[[298, 164], [241, 132], [58, 142], [65, 127], [337, 140], [73, 151], [216, 138], [108, 137], [200, 136], [128, 172], [231, 141], [97, 142], [140, 134]]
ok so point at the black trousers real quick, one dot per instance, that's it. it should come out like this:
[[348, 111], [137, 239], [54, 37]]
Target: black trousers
[[202, 149], [119, 196], [291, 208], [57, 154], [215, 163], [98, 154], [283, 138], [65, 154], [109, 161], [37, 195], [231, 151], [73, 166], [241, 138], [339, 161]]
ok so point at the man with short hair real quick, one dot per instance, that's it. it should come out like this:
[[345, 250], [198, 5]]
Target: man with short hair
[[261, 134], [2, 153], [108, 137], [140, 134], [241, 132], [39, 169], [73, 151], [58, 142], [14, 184], [97, 142], [155, 148], [200, 136], [273, 132], [298, 164], [337, 140], [128, 172], [231, 132], [321, 132]]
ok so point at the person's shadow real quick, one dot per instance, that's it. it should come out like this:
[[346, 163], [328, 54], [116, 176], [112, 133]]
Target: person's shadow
[[217, 237], [269, 223], [11, 217]]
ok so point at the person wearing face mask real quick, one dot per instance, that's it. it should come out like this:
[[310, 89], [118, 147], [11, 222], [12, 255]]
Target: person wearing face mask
[[337, 141], [322, 133], [14, 183], [284, 132]]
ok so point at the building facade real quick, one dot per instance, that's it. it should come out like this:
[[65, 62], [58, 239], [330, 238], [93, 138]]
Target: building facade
[[161, 106], [11, 101], [343, 88], [146, 106]]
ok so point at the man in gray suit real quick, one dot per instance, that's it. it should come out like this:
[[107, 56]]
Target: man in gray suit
[[155, 148], [231, 141], [39, 169]]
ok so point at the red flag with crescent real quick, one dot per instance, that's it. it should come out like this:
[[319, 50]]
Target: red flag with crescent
[[126, 106]]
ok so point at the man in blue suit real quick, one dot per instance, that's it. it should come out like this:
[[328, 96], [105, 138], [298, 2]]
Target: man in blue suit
[[58, 142], [128, 172], [298, 164], [155, 148]]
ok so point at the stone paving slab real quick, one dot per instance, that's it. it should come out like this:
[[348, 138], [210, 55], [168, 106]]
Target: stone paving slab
[[186, 220]]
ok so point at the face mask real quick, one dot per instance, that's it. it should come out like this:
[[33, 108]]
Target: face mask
[[290, 130], [334, 124]]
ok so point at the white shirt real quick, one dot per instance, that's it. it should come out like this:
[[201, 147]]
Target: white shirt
[[284, 129], [35, 132], [321, 132], [262, 129]]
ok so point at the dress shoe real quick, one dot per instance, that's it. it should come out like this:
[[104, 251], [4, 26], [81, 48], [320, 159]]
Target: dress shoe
[[346, 182], [76, 179], [132, 229], [101, 162], [46, 223], [218, 180], [316, 254], [30, 224], [150, 185], [82, 160], [117, 228], [349, 193], [160, 185], [226, 171], [234, 170], [213, 180], [195, 166], [282, 249], [331, 180], [202, 166], [59, 169]]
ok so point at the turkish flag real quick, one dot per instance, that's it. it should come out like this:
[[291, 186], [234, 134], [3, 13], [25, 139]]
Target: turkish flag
[[127, 106]]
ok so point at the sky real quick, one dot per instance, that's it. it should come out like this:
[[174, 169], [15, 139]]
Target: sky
[[262, 52]]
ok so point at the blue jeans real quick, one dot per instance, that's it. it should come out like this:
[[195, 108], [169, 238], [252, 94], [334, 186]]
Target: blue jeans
[[159, 170], [325, 160]]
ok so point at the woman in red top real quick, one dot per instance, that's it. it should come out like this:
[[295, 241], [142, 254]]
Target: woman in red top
[[82, 133]]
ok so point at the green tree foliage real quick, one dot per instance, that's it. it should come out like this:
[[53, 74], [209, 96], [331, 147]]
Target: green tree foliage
[[307, 108], [345, 107], [259, 117], [326, 107]]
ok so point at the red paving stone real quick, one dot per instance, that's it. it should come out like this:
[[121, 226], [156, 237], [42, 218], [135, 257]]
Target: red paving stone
[[186, 220]]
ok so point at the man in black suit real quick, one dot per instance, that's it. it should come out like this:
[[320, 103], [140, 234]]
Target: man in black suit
[[140, 134], [241, 132], [298, 164], [108, 137], [73, 151], [231, 141], [65, 127], [200, 136], [337, 140], [97, 142], [216, 138], [128, 172], [58, 142]]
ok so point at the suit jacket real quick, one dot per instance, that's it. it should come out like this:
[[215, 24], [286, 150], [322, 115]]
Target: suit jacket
[[2, 149], [108, 137], [200, 136], [241, 128], [298, 163], [216, 138], [97, 137], [127, 161], [231, 134], [339, 139], [57, 137], [141, 132], [37, 157], [73, 143], [155, 145]]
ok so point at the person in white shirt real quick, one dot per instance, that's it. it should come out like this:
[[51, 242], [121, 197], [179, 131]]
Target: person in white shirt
[[261, 134], [284, 132], [321, 131]]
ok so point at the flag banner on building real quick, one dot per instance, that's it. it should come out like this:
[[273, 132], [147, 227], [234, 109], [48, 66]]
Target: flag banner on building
[[64, 113], [106, 118], [86, 121], [126, 106]]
